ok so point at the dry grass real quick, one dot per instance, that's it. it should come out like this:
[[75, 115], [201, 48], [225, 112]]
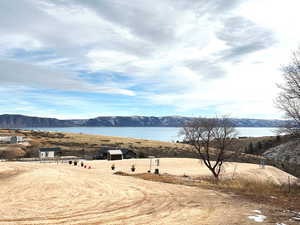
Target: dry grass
[[166, 178], [254, 187], [283, 195], [85, 144], [98, 139], [89, 142]]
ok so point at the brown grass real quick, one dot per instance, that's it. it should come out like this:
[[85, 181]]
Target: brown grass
[[283, 195], [253, 187], [76, 143]]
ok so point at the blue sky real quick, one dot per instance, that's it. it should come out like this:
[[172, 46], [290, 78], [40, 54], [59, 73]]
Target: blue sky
[[88, 58]]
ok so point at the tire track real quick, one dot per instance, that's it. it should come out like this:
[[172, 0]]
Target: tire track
[[60, 194]]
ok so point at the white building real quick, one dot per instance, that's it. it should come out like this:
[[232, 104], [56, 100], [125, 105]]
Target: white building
[[114, 155], [11, 139], [5, 139], [48, 152]]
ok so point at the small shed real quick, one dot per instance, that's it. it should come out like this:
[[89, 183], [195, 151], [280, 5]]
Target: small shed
[[5, 139], [103, 153], [114, 155], [48, 152]]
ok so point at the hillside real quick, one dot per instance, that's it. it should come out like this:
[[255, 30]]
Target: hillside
[[288, 153], [87, 146], [21, 121], [18, 121], [51, 193]]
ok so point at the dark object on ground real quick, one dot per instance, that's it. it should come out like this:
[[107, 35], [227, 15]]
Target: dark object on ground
[[70, 162], [156, 171], [81, 164], [112, 167], [75, 163]]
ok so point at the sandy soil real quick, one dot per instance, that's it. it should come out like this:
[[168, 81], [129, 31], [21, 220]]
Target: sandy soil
[[194, 167], [44, 193]]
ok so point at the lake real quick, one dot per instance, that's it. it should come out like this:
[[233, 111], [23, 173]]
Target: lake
[[153, 133]]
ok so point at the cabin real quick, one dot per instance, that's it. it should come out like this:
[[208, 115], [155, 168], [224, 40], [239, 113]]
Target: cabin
[[114, 155], [103, 153], [46, 153]]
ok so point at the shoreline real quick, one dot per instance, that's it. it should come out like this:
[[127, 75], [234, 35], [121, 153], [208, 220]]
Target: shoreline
[[165, 134]]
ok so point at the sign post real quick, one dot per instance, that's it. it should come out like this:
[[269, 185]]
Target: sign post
[[157, 166], [150, 165]]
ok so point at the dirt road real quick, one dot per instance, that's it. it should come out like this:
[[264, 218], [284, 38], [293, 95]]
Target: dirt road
[[40, 193]]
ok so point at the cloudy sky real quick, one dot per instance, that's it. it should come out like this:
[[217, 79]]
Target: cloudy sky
[[88, 58]]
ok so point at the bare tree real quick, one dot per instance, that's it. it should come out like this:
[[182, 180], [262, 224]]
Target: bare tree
[[203, 133], [289, 98]]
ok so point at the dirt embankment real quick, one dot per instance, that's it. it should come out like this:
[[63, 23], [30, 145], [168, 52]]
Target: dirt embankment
[[63, 194]]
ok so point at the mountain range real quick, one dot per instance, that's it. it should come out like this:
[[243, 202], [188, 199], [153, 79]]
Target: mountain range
[[21, 121]]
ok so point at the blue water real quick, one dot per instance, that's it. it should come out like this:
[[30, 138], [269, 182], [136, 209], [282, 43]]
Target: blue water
[[153, 133]]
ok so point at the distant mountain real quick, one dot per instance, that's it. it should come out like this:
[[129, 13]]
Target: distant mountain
[[21, 121], [258, 123], [138, 121], [171, 121]]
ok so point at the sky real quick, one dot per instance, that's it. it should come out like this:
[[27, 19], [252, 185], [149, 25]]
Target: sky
[[87, 58]]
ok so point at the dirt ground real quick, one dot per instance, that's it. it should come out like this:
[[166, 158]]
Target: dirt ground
[[50, 193], [195, 167]]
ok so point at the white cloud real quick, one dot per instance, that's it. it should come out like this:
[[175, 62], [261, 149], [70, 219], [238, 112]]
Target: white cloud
[[188, 55], [14, 73]]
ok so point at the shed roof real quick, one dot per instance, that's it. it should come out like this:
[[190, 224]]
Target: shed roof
[[115, 152], [49, 149]]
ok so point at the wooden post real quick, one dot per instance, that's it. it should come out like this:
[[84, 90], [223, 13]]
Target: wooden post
[[289, 180], [150, 166]]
